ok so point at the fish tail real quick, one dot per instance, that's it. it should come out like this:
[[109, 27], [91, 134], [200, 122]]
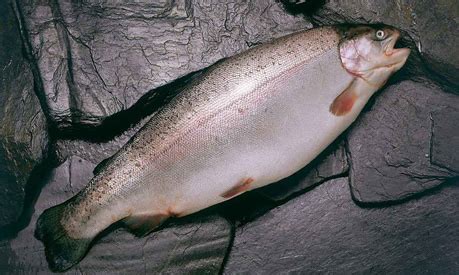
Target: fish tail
[[62, 251]]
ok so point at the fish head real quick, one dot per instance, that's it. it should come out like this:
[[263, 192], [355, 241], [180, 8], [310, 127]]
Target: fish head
[[368, 52]]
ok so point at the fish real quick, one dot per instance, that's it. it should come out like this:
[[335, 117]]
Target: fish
[[248, 121]]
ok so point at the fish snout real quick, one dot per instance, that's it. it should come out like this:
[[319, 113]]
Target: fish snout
[[395, 57]]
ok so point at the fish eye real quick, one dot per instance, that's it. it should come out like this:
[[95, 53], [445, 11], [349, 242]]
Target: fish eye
[[380, 34]]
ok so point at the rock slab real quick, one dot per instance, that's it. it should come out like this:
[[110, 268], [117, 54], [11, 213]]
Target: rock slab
[[324, 231], [23, 136], [398, 148]]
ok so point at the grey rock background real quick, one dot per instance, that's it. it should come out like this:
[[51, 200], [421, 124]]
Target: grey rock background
[[23, 130], [324, 231], [87, 75], [394, 147]]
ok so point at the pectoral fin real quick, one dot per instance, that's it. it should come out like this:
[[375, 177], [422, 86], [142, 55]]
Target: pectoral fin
[[343, 103], [141, 225]]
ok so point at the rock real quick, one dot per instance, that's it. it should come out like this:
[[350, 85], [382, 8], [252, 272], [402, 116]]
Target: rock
[[23, 135], [445, 137], [397, 149], [437, 27], [197, 244], [331, 163], [324, 231], [431, 25], [98, 58]]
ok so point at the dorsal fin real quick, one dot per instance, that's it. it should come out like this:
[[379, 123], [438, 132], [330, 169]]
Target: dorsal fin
[[101, 166]]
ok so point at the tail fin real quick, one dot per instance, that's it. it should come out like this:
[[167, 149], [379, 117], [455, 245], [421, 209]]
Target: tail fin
[[62, 251]]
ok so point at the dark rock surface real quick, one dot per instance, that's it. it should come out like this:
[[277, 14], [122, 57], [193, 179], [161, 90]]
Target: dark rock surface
[[445, 138], [23, 136], [432, 25], [398, 148], [193, 245], [98, 58], [324, 231]]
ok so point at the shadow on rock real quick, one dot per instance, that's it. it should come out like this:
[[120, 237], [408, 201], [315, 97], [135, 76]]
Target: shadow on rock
[[118, 123]]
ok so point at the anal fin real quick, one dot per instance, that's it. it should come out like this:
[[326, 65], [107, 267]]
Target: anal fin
[[141, 225], [343, 103]]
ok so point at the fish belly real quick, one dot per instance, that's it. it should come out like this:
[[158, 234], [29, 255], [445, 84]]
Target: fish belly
[[262, 137]]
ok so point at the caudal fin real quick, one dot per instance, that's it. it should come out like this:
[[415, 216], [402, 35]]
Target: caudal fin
[[62, 251]]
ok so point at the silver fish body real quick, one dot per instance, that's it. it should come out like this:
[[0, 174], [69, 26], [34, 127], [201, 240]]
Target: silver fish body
[[249, 121]]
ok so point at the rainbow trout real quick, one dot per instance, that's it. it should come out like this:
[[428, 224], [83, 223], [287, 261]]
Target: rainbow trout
[[250, 120]]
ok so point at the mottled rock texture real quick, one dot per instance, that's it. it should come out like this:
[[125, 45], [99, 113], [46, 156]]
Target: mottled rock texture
[[324, 231], [194, 245], [96, 58], [23, 136], [399, 147]]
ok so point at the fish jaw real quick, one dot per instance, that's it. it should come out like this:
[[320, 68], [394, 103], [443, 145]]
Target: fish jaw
[[399, 58]]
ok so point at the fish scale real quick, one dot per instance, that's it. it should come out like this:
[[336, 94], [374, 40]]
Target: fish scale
[[202, 98], [249, 121]]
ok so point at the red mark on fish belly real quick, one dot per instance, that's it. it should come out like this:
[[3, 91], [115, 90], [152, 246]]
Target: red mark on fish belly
[[242, 186]]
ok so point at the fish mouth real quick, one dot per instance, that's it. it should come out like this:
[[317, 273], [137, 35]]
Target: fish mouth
[[396, 56], [389, 48]]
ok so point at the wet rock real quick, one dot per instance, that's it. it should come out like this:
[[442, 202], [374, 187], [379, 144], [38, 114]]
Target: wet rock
[[98, 58], [23, 136], [398, 148], [432, 26], [331, 163], [324, 231], [196, 244]]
